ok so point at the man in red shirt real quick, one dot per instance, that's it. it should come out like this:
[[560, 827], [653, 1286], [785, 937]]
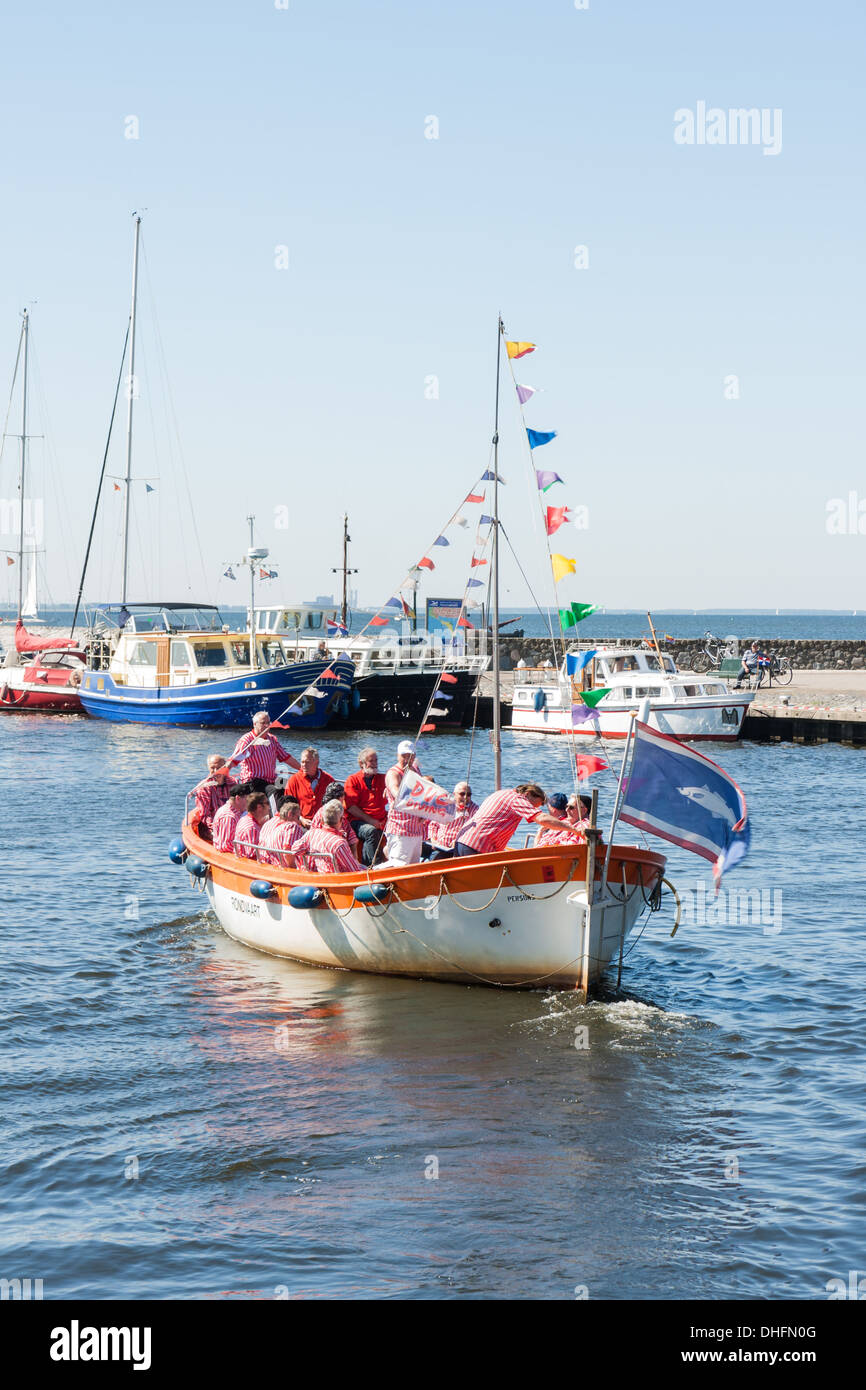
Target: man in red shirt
[[366, 804], [307, 786]]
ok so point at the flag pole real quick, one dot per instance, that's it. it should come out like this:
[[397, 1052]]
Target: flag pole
[[497, 713], [641, 714]]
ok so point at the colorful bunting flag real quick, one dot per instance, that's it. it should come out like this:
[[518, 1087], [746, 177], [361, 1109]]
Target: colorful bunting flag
[[9, 560], [329, 674], [546, 479], [485, 520], [583, 610], [516, 350], [440, 540], [562, 565], [448, 678], [525, 393], [556, 517], [477, 562], [440, 695], [438, 712], [336, 629], [475, 583], [475, 497], [394, 603], [490, 477], [580, 714], [428, 728], [148, 488], [461, 622], [538, 437], [117, 487], [587, 763], [378, 622], [426, 564], [229, 573], [594, 697], [576, 661]]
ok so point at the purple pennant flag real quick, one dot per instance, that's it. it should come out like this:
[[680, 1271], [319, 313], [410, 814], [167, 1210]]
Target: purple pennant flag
[[394, 603], [485, 521], [546, 479], [475, 584], [580, 713], [525, 393], [440, 540]]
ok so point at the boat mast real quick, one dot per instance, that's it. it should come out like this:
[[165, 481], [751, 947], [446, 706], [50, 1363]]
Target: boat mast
[[497, 720], [345, 570], [22, 469], [251, 520], [130, 397]]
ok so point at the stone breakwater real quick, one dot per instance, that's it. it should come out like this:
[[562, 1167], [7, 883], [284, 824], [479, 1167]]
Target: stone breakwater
[[804, 653]]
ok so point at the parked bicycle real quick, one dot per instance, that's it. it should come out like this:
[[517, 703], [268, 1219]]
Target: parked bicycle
[[712, 654], [775, 669]]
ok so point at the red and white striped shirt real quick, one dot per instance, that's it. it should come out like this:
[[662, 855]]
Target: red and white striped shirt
[[344, 828], [568, 835], [401, 822], [496, 820], [247, 836], [224, 825], [210, 795], [326, 853], [278, 834], [258, 759], [444, 835]]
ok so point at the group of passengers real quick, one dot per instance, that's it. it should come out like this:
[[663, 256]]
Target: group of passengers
[[309, 820]]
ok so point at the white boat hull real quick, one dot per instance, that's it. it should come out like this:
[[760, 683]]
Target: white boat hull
[[719, 719]]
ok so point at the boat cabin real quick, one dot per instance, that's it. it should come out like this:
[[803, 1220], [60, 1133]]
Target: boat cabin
[[630, 673]]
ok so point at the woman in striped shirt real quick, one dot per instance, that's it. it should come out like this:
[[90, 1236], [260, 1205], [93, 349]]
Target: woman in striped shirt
[[404, 833], [443, 835]]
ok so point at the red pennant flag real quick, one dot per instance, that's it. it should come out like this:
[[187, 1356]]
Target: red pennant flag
[[475, 497], [407, 611], [463, 622], [330, 673], [587, 764], [477, 562], [556, 517], [275, 724], [426, 564], [378, 622], [428, 728], [117, 487], [9, 560], [448, 678]]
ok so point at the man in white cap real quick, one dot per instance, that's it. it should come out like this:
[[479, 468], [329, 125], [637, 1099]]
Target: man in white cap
[[404, 833]]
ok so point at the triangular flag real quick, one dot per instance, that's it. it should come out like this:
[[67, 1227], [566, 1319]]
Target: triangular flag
[[576, 661], [378, 622], [148, 488], [594, 697], [546, 479], [475, 583], [525, 393], [264, 574], [583, 610], [580, 713], [426, 564], [330, 674], [566, 618], [435, 712], [117, 487], [489, 477], [428, 729], [556, 517], [562, 565], [462, 622], [538, 437], [229, 573], [485, 520], [475, 497], [440, 540], [587, 763], [477, 562], [394, 603], [9, 560], [516, 350], [441, 695], [448, 678]]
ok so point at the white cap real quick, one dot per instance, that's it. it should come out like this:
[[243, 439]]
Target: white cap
[[405, 747]]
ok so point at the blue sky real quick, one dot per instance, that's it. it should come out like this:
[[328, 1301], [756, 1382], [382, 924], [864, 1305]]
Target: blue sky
[[261, 127]]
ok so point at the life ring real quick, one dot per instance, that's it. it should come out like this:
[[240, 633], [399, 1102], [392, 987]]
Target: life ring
[[7, 696]]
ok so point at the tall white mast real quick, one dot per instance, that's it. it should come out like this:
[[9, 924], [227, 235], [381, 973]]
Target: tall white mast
[[130, 396], [22, 470], [497, 717]]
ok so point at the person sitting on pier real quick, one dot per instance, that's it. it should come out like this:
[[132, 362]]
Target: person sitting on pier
[[336, 792], [444, 835], [226, 819], [323, 849], [498, 817], [248, 827], [308, 785], [752, 662], [281, 833], [258, 752], [210, 795], [366, 804], [404, 832]]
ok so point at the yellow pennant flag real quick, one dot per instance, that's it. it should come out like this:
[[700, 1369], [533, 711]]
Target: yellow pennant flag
[[519, 349], [562, 566]]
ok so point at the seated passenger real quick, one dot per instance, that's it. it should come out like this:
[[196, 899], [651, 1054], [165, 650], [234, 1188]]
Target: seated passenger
[[250, 824], [226, 819], [281, 832], [308, 785], [336, 792], [443, 837], [324, 850], [557, 805], [366, 803], [210, 795]]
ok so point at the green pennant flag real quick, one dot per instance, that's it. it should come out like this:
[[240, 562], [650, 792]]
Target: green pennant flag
[[594, 697], [566, 618], [583, 610]]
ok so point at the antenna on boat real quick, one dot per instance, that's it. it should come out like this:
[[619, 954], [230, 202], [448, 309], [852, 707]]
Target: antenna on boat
[[344, 569], [130, 398], [255, 555], [497, 713]]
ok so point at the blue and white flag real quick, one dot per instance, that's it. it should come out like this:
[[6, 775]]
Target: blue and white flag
[[229, 573], [337, 629], [676, 793], [575, 661]]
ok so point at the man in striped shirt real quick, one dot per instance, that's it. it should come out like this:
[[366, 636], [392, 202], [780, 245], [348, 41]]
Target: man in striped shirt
[[443, 836], [226, 819], [281, 833], [250, 824], [498, 817], [404, 833], [257, 752], [557, 805], [324, 850], [210, 795], [336, 792]]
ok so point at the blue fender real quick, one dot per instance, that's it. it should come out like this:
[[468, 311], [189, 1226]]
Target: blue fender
[[261, 888], [177, 850], [539, 702], [373, 892], [199, 868], [356, 698], [305, 895]]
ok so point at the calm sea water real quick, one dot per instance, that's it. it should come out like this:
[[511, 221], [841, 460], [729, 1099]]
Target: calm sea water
[[707, 1140]]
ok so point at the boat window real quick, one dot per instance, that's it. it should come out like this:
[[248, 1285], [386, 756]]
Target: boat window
[[291, 620], [652, 662], [240, 653], [641, 690], [314, 620], [692, 689], [179, 654], [208, 654], [624, 663], [678, 692], [143, 654], [622, 692], [715, 690], [272, 654], [669, 663]]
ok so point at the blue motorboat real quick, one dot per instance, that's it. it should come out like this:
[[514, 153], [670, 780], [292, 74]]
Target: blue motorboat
[[178, 663]]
